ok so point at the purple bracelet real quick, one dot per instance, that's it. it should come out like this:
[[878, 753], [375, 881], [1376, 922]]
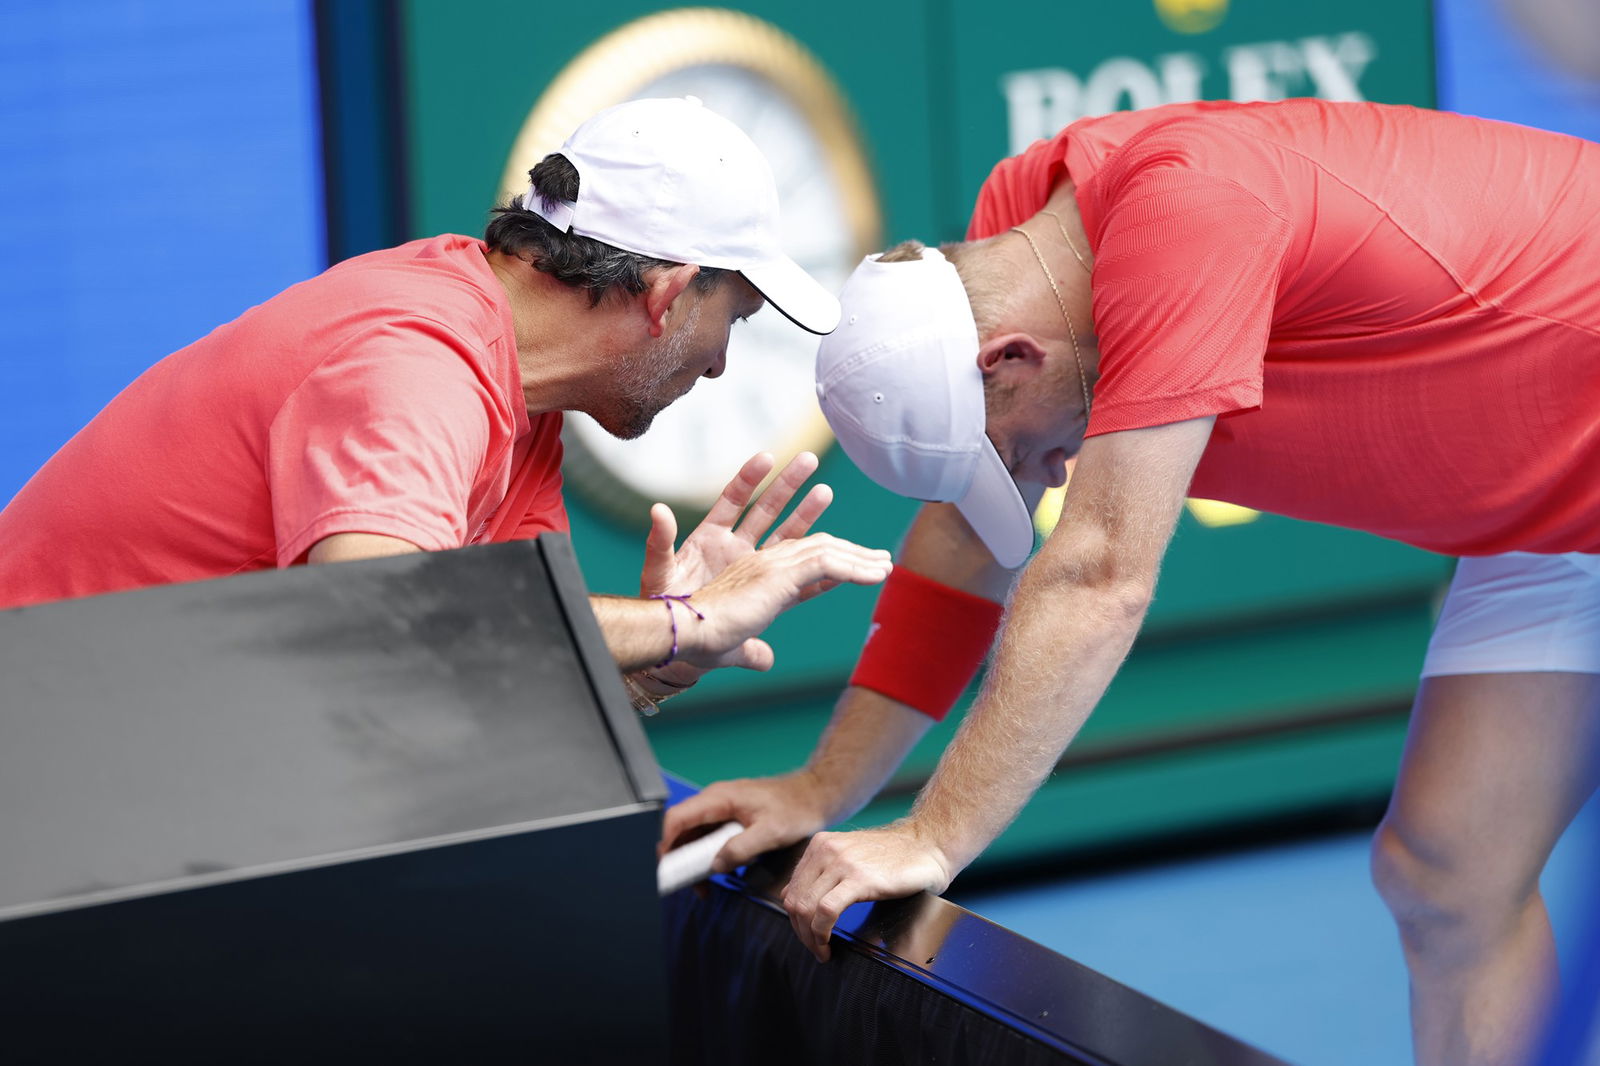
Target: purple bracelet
[[669, 599]]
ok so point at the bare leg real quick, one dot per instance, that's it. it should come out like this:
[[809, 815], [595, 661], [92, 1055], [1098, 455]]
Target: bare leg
[[1496, 766]]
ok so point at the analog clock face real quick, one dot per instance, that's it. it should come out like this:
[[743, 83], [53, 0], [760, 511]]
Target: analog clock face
[[763, 81]]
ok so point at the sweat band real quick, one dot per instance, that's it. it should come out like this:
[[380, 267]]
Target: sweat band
[[926, 642]]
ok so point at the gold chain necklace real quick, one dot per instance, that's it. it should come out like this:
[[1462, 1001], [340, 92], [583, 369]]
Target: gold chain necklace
[[1070, 246], [1077, 357]]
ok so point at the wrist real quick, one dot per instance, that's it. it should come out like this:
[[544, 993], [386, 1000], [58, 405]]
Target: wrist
[[814, 791], [926, 836], [943, 832], [830, 799], [635, 632], [685, 624]]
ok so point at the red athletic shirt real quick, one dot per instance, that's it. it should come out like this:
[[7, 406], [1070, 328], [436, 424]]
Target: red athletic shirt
[[382, 396], [1394, 313]]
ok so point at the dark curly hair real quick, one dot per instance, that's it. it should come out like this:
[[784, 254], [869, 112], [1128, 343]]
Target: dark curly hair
[[581, 262]]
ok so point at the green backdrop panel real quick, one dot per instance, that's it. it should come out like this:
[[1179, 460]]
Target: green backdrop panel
[[1043, 65]]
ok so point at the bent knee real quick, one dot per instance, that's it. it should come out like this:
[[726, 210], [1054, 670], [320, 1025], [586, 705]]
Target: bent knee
[[1408, 880], [1439, 884]]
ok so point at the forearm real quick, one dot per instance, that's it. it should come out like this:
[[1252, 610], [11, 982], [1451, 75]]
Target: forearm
[[1060, 649], [867, 739], [1072, 619], [871, 733], [940, 545]]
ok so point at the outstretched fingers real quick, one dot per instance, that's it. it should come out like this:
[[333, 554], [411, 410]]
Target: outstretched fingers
[[736, 495], [746, 597], [805, 515], [824, 558], [770, 504]]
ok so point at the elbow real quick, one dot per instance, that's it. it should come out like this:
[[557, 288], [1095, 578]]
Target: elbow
[[1122, 601], [1120, 584]]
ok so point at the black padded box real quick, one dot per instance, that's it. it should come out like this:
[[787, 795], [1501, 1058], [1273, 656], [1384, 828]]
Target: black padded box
[[396, 810]]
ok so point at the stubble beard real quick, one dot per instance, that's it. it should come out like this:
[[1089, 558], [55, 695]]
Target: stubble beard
[[640, 384]]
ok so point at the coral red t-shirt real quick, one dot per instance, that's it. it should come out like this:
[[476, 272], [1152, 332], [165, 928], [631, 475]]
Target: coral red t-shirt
[[382, 396], [1394, 313]]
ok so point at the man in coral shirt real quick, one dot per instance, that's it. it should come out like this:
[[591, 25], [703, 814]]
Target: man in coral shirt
[[411, 400], [1377, 317]]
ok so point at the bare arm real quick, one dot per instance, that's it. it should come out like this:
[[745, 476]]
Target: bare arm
[[868, 737], [349, 547], [1074, 615], [870, 734]]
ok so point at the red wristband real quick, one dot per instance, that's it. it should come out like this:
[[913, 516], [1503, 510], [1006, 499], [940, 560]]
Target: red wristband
[[926, 642]]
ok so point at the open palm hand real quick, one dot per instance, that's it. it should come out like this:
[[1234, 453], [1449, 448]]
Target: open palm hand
[[723, 537]]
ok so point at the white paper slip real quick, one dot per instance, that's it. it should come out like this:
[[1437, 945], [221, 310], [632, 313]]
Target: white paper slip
[[691, 862]]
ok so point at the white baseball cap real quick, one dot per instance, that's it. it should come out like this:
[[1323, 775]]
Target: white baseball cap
[[900, 385], [672, 180]]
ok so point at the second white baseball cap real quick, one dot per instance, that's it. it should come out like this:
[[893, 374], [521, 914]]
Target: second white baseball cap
[[672, 180], [900, 385]]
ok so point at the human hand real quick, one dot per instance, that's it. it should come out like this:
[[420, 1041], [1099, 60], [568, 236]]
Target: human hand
[[839, 869], [722, 537], [775, 811], [729, 613]]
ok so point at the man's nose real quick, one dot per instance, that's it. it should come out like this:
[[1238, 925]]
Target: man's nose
[[718, 365]]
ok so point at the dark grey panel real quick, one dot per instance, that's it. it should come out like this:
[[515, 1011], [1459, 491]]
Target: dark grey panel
[[395, 811], [205, 729]]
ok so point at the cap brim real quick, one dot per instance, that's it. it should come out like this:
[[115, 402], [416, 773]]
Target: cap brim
[[994, 509], [795, 293]]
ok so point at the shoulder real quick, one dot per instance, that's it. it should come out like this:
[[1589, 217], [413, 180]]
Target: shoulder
[[1017, 187], [445, 278]]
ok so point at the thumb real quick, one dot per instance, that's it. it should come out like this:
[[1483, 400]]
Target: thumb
[[753, 654], [659, 563]]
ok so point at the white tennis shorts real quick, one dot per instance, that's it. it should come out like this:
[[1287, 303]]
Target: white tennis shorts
[[1519, 613]]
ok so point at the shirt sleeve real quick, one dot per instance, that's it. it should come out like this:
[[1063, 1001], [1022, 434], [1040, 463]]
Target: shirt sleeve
[[996, 203], [1185, 279], [385, 436], [1017, 188]]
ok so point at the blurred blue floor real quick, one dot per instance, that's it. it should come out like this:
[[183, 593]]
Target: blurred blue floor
[[1288, 948]]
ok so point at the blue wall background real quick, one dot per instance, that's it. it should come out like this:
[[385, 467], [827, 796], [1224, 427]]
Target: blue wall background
[[1490, 66], [160, 163]]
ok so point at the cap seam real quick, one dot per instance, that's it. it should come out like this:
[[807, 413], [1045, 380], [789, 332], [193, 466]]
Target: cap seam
[[868, 354]]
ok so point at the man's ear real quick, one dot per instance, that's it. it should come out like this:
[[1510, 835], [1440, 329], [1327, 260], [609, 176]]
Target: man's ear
[[1011, 356], [664, 285]]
